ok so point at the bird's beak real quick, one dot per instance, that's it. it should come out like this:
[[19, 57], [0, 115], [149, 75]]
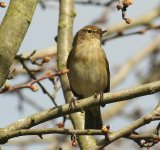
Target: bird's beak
[[104, 31]]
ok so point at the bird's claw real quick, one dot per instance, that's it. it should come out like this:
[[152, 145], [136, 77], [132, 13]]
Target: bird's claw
[[72, 103], [101, 97]]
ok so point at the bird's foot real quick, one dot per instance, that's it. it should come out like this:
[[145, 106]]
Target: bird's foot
[[72, 103], [101, 97]]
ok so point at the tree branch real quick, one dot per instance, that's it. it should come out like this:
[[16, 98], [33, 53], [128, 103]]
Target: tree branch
[[12, 31], [62, 110], [130, 128], [30, 84], [111, 136], [141, 20], [140, 32], [64, 45], [40, 84]]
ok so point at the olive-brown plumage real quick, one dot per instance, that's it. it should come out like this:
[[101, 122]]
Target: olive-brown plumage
[[89, 70]]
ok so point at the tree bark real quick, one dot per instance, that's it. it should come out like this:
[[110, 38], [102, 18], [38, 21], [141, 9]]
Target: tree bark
[[12, 31]]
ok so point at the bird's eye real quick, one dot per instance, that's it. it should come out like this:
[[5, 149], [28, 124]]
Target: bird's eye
[[89, 31]]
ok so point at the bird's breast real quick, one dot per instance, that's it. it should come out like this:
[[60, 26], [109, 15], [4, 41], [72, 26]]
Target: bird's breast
[[87, 72]]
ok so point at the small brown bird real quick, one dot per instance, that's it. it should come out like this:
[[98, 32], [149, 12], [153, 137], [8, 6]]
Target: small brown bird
[[89, 70]]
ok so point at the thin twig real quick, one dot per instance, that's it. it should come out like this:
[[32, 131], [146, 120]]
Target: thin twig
[[33, 77], [30, 84], [140, 32], [93, 3]]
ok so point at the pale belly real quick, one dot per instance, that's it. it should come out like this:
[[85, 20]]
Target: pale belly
[[88, 78]]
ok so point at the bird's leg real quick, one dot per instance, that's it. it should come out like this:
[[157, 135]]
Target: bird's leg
[[72, 103], [101, 97]]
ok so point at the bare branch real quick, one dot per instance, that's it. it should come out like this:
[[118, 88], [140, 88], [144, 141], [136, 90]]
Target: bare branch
[[34, 77], [143, 20], [13, 29], [139, 32], [111, 136], [64, 45], [52, 113], [130, 128], [30, 84]]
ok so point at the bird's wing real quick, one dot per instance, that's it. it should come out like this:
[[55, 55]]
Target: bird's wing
[[107, 89], [67, 64]]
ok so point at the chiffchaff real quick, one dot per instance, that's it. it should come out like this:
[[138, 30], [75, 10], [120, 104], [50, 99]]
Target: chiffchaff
[[89, 70]]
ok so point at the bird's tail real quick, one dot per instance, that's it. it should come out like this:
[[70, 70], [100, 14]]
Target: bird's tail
[[93, 119]]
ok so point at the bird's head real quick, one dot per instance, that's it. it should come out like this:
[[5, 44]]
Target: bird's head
[[88, 33]]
